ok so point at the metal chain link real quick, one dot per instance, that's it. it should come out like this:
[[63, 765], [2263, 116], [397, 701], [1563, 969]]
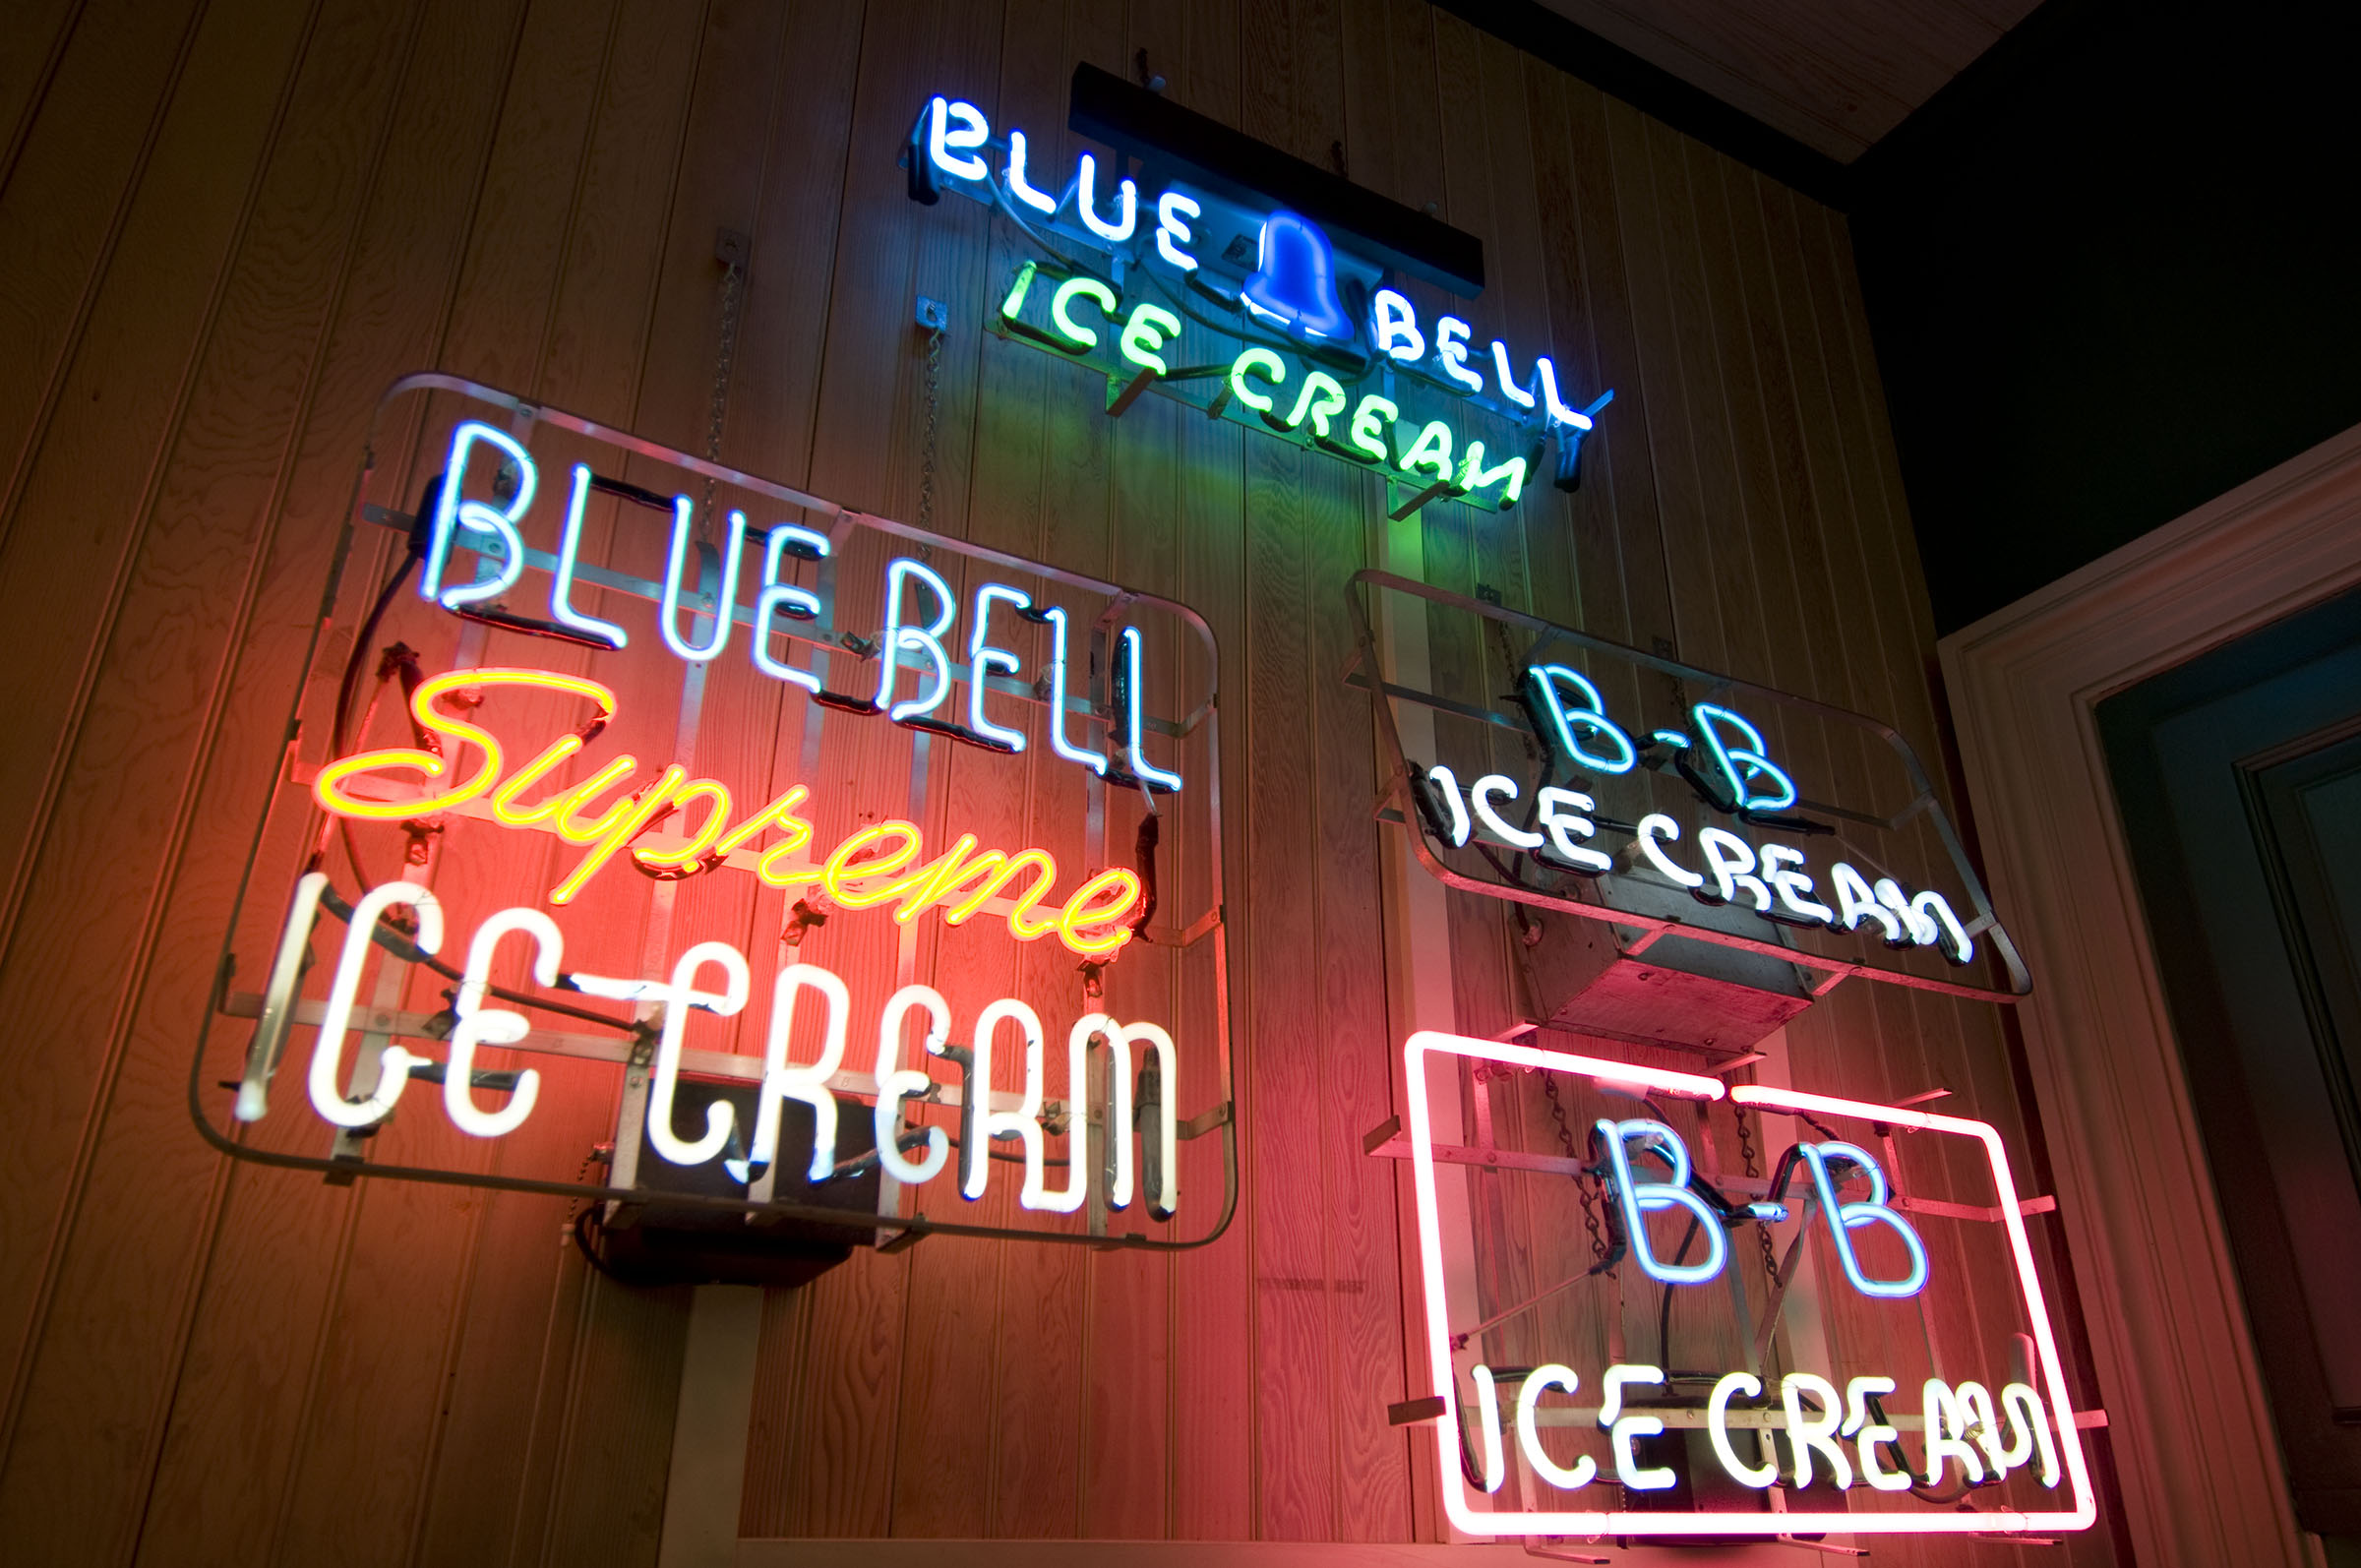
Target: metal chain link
[[925, 461], [725, 357], [1762, 1233], [1586, 1185]]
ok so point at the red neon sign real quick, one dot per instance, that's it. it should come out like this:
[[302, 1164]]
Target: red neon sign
[[1964, 1424]]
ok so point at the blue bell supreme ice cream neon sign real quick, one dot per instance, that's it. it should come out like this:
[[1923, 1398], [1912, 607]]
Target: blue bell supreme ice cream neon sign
[[1229, 301]]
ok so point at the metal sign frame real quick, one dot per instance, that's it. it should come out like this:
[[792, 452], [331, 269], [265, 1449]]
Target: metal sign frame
[[624, 1042], [1396, 803]]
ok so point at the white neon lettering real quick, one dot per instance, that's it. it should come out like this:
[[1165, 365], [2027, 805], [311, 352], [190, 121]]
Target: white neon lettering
[[1816, 1432], [1921, 928], [1948, 1419], [725, 592], [1173, 211], [896, 1084], [1655, 827], [783, 1080], [1023, 1123], [1396, 324], [1795, 890], [2028, 1422], [1560, 413], [328, 1052], [479, 1025], [1731, 860], [1868, 1434], [279, 993], [1564, 816], [1932, 908], [927, 640], [1479, 796], [1451, 352], [452, 513], [1086, 201], [1018, 186], [1538, 1382], [561, 581], [1136, 747], [1166, 1198], [1717, 1429], [1487, 1412], [1508, 386], [946, 145], [983, 659], [776, 594], [1448, 782], [1623, 1428], [1096, 761], [1855, 902], [1066, 1199], [678, 997]]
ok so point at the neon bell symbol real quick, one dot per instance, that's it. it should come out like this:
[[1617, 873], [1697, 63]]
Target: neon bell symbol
[[1295, 280]]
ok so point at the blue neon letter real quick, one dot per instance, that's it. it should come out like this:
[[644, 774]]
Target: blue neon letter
[[1637, 1200]]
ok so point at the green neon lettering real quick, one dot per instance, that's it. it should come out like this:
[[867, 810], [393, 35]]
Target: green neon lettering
[[1073, 331], [1271, 367], [1474, 475], [1016, 295], [1145, 332], [1431, 452], [1369, 426], [1320, 397]]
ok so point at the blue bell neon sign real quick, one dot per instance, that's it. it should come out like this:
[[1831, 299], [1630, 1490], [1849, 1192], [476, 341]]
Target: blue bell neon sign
[[1315, 342]]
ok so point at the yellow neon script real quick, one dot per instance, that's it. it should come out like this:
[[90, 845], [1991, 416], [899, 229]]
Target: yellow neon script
[[876, 864]]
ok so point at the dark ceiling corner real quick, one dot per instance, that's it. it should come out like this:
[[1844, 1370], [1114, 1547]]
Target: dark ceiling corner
[[1652, 89], [1985, 87]]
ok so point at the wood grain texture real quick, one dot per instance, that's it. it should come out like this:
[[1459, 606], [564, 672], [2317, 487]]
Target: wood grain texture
[[1836, 75], [250, 217]]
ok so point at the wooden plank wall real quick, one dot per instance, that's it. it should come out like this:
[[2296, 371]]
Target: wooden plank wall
[[232, 224]]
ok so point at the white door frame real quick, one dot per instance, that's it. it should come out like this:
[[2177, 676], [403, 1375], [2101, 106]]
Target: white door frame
[[2189, 1423]]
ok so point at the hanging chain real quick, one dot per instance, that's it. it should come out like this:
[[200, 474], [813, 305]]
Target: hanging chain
[[1762, 1233], [926, 460], [729, 248], [1587, 1185]]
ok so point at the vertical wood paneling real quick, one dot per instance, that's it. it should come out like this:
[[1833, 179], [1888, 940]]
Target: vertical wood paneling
[[241, 221]]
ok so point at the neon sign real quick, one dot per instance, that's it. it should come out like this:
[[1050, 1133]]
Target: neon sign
[[870, 867], [1643, 823], [1316, 344], [919, 610], [1780, 1454], [831, 705], [686, 992]]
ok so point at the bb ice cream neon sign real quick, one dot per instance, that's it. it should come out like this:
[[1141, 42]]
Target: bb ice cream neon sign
[[1991, 1461]]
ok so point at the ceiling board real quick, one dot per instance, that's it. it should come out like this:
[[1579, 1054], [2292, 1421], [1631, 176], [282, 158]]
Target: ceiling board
[[1836, 75]]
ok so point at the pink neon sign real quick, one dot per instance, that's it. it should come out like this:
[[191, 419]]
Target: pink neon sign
[[1965, 1433]]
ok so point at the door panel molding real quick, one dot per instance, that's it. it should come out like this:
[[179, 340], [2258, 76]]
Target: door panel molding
[[2191, 1429]]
